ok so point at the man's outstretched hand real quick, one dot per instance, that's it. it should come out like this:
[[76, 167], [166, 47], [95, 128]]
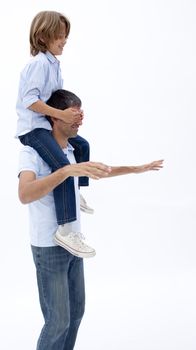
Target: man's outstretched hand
[[134, 169], [156, 165], [97, 170]]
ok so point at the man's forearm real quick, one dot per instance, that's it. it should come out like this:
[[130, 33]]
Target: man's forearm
[[123, 170], [31, 188]]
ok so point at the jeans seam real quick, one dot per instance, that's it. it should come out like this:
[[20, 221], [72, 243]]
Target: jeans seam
[[45, 304], [46, 151]]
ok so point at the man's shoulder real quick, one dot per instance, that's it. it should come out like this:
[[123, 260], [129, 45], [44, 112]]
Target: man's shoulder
[[29, 155], [29, 158], [29, 151]]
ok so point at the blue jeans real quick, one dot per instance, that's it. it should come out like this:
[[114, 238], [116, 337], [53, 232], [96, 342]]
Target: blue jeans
[[50, 151], [60, 279]]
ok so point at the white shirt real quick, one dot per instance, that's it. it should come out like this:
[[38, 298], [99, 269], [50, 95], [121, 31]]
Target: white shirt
[[42, 215], [38, 80]]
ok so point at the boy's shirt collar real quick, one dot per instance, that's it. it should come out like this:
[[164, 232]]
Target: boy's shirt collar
[[50, 57]]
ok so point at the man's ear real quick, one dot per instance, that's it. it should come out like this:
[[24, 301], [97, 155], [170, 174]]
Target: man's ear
[[53, 119]]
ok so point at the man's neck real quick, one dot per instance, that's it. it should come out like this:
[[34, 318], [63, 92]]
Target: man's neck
[[61, 140]]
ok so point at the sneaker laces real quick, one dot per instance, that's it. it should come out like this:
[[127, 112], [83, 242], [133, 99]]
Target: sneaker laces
[[80, 235], [77, 239]]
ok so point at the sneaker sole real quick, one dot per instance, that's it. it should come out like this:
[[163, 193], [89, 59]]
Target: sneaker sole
[[73, 251]]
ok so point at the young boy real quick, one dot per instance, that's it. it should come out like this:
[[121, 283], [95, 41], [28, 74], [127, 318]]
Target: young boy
[[39, 79]]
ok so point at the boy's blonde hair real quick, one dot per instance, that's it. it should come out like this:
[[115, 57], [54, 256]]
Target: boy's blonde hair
[[45, 27]]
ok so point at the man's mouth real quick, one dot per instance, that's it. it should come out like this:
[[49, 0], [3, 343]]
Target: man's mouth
[[75, 126]]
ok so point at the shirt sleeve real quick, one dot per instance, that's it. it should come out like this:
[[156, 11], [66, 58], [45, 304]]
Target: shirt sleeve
[[32, 83], [28, 160]]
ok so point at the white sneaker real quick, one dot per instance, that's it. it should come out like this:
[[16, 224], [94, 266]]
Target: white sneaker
[[84, 206], [73, 242]]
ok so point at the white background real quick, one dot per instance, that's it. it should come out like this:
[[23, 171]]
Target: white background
[[133, 65]]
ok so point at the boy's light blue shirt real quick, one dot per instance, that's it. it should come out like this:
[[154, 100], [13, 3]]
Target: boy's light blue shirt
[[38, 80]]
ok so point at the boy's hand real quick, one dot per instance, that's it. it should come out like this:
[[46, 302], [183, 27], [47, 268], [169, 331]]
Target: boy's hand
[[72, 115]]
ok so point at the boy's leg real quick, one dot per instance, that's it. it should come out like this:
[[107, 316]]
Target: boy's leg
[[82, 154], [50, 151]]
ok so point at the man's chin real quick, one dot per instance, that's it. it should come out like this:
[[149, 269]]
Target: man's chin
[[74, 134]]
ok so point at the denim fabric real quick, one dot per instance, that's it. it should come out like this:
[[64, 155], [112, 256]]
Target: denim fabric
[[60, 278], [49, 150], [82, 154]]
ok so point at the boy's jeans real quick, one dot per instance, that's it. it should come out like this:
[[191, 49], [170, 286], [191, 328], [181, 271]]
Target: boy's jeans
[[49, 150], [60, 279]]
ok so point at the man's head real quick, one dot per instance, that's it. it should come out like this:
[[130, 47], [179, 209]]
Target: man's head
[[63, 99]]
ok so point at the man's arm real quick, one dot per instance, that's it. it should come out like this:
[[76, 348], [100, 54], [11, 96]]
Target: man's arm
[[31, 189], [124, 170]]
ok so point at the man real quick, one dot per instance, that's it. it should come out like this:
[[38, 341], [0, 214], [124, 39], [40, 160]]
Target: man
[[60, 275]]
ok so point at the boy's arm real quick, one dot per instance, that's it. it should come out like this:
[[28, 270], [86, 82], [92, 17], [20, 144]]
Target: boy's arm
[[69, 115], [31, 189]]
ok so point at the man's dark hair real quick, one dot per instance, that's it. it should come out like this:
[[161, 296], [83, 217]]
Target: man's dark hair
[[62, 99]]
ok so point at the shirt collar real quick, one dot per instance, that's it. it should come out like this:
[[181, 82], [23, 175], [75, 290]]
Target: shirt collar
[[50, 57], [68, 148]]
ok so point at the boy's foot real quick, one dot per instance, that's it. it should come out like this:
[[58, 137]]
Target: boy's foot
[[84, 206], [73, 242]]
